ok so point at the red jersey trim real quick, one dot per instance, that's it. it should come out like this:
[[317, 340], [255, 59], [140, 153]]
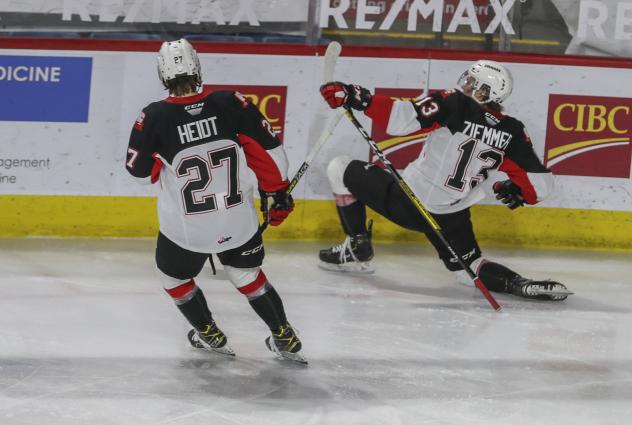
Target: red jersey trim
[[188, 99], [520, 177], [156, 168], [380, 110], [268, 174]]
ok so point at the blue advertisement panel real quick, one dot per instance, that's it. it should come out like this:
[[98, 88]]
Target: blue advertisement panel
[[45, 88]]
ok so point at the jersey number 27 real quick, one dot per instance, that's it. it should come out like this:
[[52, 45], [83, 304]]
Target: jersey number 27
[[189, 166]]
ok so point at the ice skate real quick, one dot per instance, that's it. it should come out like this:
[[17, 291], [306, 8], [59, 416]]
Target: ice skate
[[354, 254], [286, 345], [210, 339], [538, 289]]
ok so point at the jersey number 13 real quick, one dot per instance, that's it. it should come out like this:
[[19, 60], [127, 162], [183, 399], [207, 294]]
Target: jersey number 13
[[475, 161]]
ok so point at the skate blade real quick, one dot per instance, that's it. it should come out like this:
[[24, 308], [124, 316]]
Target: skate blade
[[226, 350], [554, 292], [285, 355], [355, 267], [292, 357]]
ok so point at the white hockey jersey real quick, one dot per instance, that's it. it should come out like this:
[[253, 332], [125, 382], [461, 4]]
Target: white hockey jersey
[[209, 152], [469, 145]]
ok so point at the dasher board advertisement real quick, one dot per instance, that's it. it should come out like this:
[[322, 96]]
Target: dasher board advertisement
[[576, 111]]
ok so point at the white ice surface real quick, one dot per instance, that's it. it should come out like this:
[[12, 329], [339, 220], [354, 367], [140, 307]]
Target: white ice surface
[[88, 337]]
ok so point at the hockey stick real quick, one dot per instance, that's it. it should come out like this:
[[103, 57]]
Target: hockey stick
[[331, 56], [324, 136], [422, 210]]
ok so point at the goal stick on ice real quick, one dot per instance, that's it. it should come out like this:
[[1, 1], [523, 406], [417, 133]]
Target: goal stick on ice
[[331, 56]]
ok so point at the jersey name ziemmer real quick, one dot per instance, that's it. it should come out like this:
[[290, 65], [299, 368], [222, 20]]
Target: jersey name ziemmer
[[490, 136]]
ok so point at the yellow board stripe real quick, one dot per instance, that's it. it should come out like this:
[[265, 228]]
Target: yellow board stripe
[[99, 216]]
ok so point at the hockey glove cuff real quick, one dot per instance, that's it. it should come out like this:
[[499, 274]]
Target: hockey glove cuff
[[337, 94], [276, 206], [509, 194]]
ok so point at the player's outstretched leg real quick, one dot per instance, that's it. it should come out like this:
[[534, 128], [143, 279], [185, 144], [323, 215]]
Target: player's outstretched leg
[[178, 268], [499, 278], [266, 302]]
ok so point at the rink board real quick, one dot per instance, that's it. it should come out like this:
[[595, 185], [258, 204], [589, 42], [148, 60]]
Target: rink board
[[62, 165], [102, 216]]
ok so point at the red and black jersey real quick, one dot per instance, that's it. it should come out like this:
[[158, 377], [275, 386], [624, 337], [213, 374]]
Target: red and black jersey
[[469, 144], [209, 152]]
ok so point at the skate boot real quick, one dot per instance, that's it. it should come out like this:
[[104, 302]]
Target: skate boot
[[537, 289], [354, 254], [285, 344], [210, 339]]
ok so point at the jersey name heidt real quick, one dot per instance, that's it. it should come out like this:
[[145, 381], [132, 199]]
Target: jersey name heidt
[[197, 130], [490, 136]]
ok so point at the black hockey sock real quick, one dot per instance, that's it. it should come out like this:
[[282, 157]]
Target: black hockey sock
[[353, 218], [196, 311], [495, 276], [270, 308], [278, 304]]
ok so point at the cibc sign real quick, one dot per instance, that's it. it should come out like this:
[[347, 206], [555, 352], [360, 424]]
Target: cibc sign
[[589, 136]]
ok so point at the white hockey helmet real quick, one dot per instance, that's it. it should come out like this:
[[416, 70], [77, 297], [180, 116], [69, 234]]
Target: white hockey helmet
[[489, 81], [177, 59]]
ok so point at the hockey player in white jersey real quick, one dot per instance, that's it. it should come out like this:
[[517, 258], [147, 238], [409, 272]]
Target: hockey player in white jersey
[[209, 151], [472, 141]]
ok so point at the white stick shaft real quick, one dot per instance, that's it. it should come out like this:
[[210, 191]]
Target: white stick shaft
[[324, 136], [331, 56]]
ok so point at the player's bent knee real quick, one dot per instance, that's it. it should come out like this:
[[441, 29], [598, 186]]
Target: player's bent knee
[[462, 277], [180, 290], [473, 260], [335, 173], [169, 282], [251, 282]]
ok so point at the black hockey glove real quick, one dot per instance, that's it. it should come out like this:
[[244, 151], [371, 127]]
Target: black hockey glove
[[509, 193], [337, 94], [276, 206]]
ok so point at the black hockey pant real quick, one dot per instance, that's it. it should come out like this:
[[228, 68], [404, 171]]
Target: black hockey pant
[[376, 188]]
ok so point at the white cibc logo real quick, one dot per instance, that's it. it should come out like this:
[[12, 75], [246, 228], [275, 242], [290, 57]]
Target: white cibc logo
[[21, 73]]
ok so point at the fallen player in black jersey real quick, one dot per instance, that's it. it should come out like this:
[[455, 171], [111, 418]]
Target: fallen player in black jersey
[[471, 141]]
